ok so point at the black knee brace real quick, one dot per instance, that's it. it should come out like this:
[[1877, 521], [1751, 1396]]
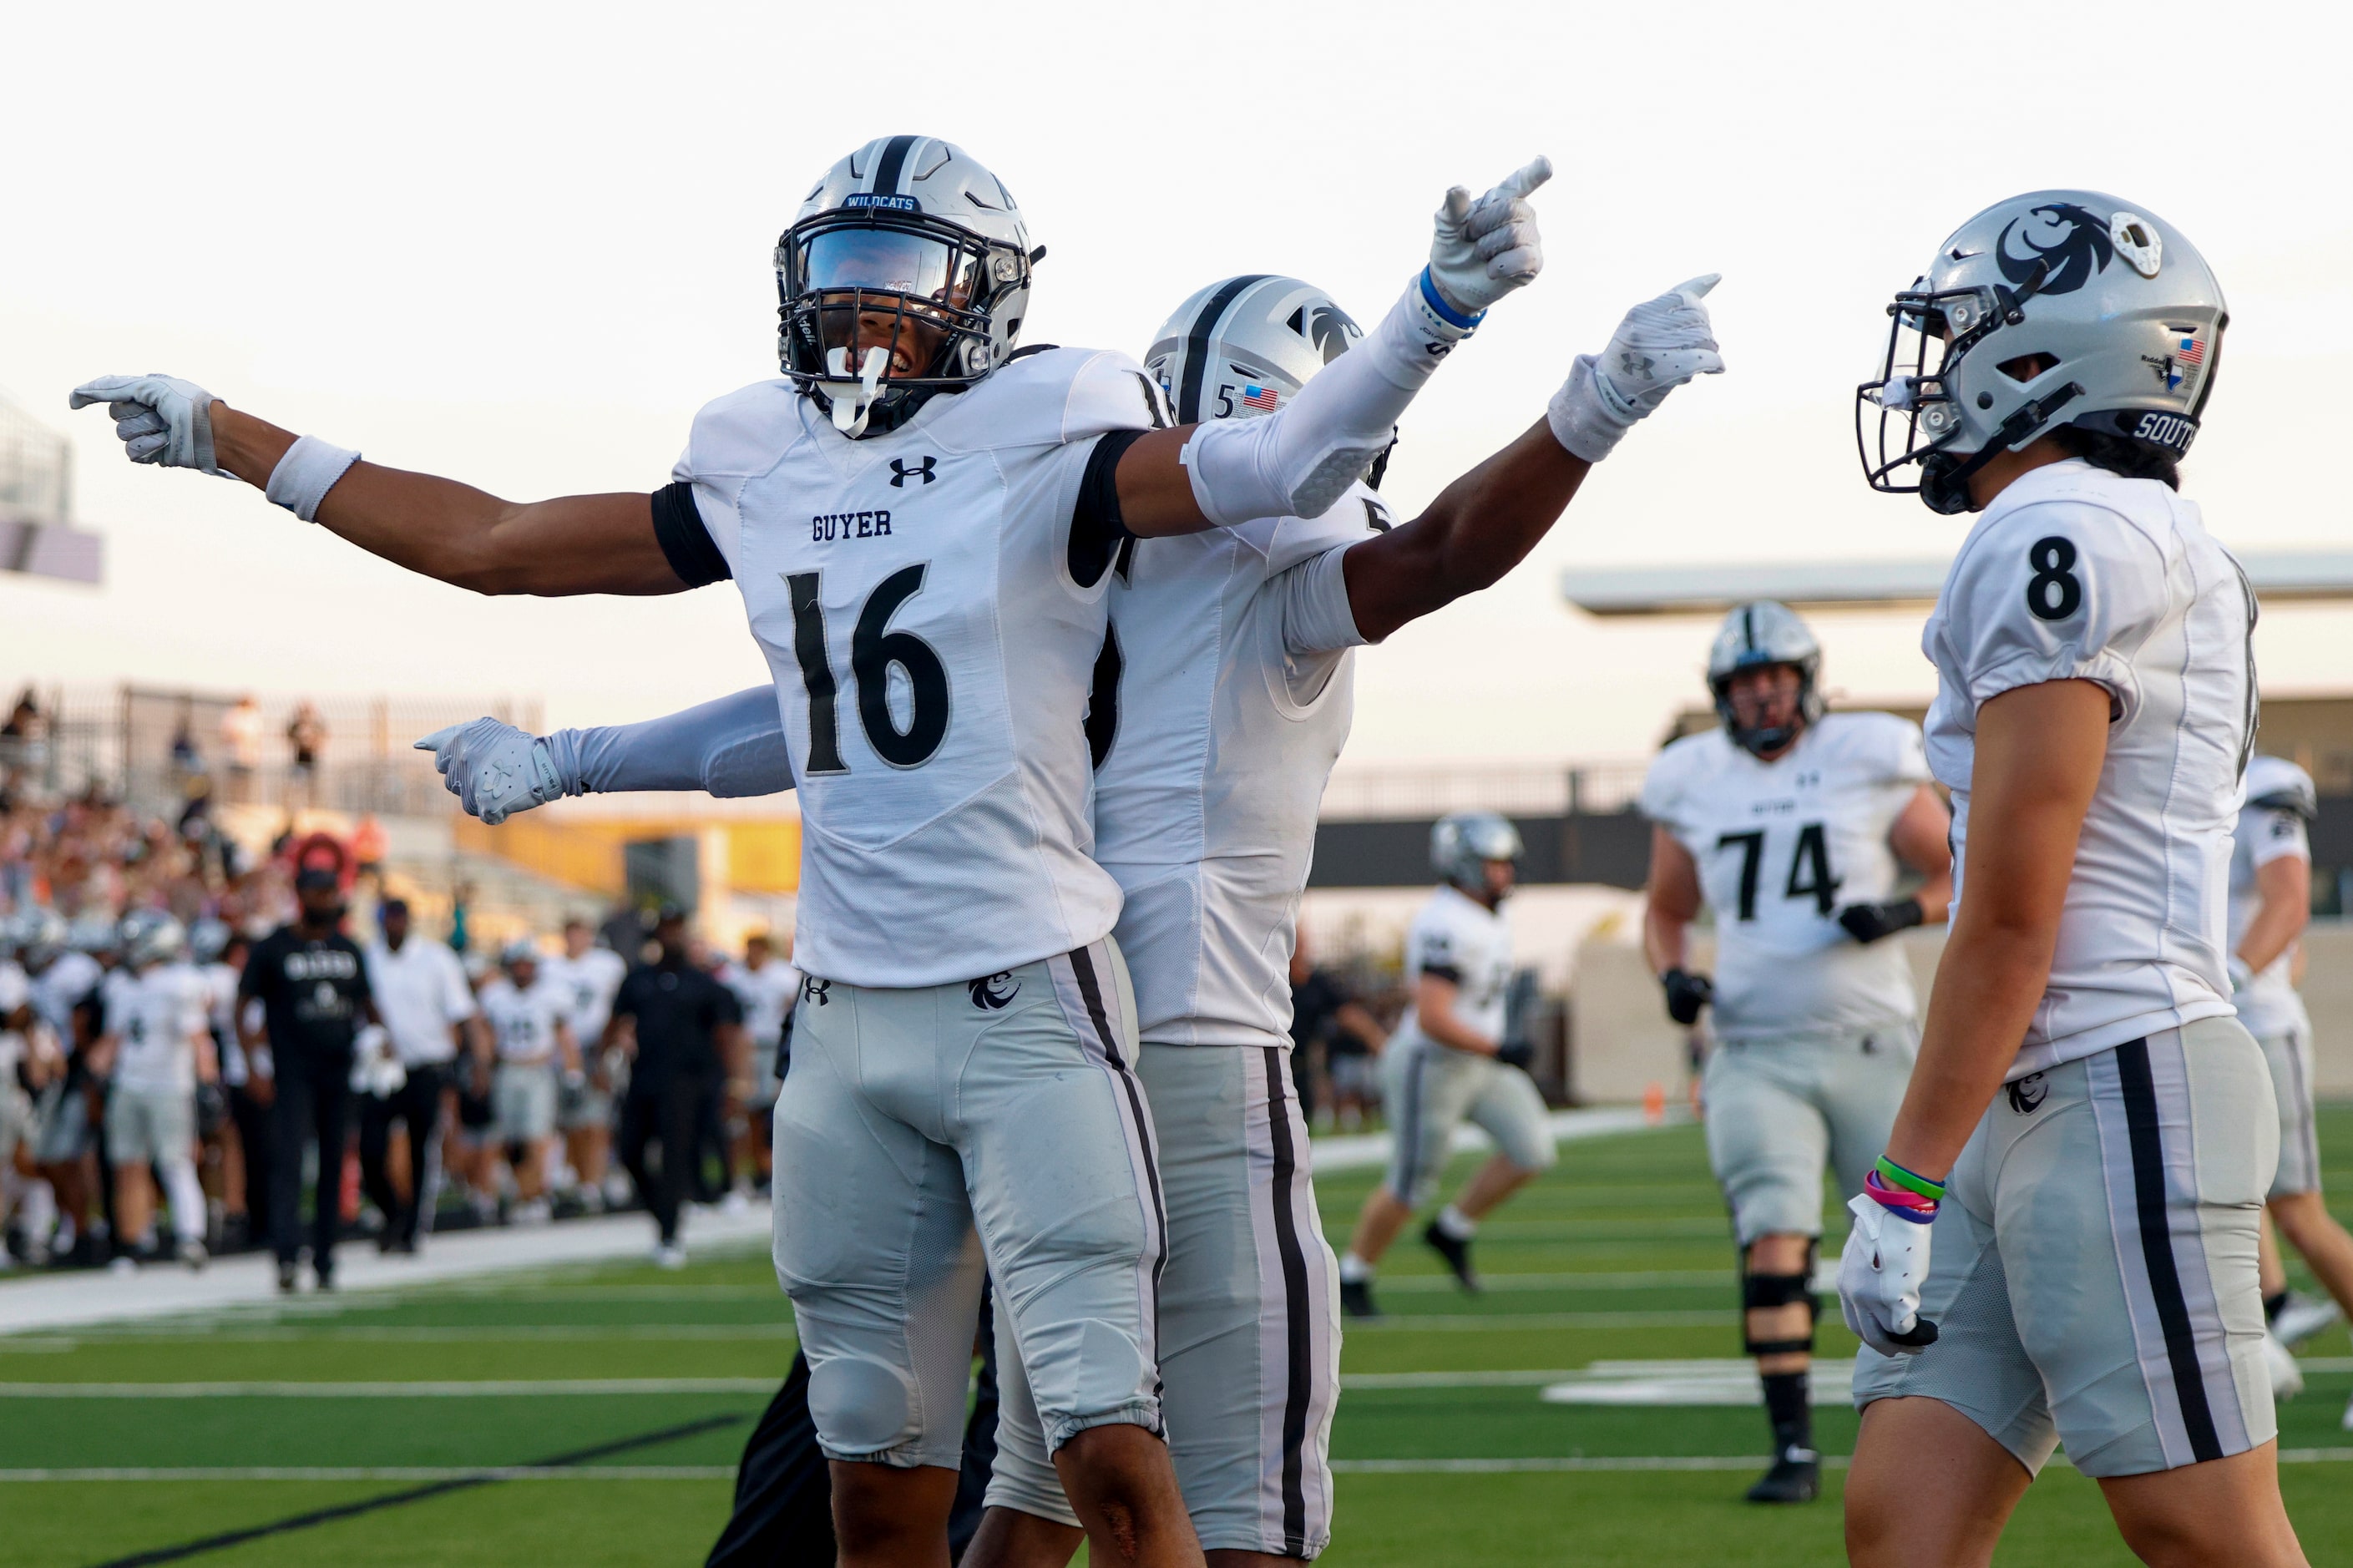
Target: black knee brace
[[1778, 1290]]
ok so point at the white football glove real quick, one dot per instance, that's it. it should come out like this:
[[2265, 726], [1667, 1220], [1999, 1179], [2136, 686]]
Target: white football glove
[[1880, 1274], [1486, 248], [161, 418], [1660, 344], [495, 770]]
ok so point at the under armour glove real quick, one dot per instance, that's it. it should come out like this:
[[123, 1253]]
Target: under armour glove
[[161, 418], [1880, 1274], [1868, 922], [1660, 344], [1686, 994], [1486, 248], [1517, 1054], [494, 769]]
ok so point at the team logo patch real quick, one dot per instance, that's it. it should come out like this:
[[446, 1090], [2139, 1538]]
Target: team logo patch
[[889, 204], [994, 992], [901, 473], [2070, 241], [2027, 1095]]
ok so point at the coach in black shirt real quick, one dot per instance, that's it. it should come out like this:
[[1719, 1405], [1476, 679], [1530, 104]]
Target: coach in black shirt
[[688, 1030], [313, 990]]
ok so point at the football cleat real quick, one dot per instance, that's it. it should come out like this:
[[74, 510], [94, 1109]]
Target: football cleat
[[2287, 1378], [286, 1279], [1457, 1253], [2303, 1316], [1357, 1299], [1795, 1476], [193, 1254]]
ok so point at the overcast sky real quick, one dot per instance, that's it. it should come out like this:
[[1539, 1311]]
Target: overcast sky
[[520, 246]]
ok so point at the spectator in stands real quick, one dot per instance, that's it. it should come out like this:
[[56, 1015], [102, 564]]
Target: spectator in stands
[[241, 745], [590, 976], [312, 981], [683, 1031], [306, 745], [765, 987], [428, 1010], [529, 1014], [1328, 1022]]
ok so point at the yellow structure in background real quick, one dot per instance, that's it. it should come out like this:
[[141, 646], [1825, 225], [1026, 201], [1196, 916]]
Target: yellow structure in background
[[760, 856]]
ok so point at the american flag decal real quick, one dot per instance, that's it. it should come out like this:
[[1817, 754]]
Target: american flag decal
[[2192, 353], [1262, 398]]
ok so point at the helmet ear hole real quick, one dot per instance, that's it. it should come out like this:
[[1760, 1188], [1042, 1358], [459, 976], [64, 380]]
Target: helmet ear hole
[[2026, 367]]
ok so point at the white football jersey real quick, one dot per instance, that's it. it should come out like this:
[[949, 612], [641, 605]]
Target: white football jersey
[[1460, 938], [590, 982], [61, 987], [765, 994], [523, 1021], [2268, 1004], [1781, 847], [156, 1016], [932, 645], [2074, 574], [1222, 698], [16, 990]]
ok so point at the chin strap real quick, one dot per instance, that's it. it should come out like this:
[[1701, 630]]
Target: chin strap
[[850, 395]]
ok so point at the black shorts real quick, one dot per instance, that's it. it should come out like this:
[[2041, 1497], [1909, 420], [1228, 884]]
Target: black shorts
[[474, 1110]]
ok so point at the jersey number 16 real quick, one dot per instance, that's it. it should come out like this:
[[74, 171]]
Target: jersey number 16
[[873, 649]]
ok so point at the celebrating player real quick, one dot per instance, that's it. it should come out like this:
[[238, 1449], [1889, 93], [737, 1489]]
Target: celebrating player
[[530, 1017], [2060, 1242], [1792, 824], [1206, 798], [1448, 1062], [923, 528], [158, 1043]]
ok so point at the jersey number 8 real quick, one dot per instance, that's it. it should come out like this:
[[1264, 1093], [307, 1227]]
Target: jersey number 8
[[873, 649]]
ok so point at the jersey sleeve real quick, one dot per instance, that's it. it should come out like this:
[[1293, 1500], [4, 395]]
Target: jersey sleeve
[[734, 438], [1664, 786], [2056, 590], [1110, 392], [2274, 834], [1891, 751]]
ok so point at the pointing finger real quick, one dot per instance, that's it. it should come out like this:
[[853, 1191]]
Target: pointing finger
[[1527, 177], [104, 389], [439, 738]]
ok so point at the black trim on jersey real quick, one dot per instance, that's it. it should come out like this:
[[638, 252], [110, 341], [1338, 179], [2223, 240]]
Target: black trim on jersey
[[685, 540], [1446, 972], [1103, 698], [1025, 352], [1197, 345], [895, 158], [1097, 530], [1299, 1387], [2141, 1130]]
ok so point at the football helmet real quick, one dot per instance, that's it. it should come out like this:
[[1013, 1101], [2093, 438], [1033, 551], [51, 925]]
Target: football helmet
[[522, 950], [208, 940], [2056, 307], [2276, 783], [1463, 842], [151, 936], [1753, 636], [40, 936], [1244, 346], [905, 273], [93, 934]]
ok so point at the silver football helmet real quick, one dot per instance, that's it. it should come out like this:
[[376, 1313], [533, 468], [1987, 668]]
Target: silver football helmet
[[1753, 636], [93, 934], [522, 950], [2053, 308], [40, 936], [208, 939], [151, 936], [1244, 346], [906, 273], [1463, 842], [2277, 785]]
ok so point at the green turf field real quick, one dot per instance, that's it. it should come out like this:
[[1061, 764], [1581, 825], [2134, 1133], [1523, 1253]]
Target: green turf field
[[1619, 1255]]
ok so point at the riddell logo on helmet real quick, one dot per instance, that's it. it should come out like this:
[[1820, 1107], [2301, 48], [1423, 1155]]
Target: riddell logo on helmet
[[892, 203]]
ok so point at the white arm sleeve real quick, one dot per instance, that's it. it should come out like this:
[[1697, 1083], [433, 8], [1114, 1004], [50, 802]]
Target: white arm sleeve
[[1298, 461], [1316, 615], [733, 747]]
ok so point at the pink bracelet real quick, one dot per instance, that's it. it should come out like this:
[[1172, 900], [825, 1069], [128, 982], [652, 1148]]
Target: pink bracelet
[[1910, 1204]]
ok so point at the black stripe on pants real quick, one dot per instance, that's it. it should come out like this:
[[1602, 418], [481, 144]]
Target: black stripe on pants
[[669, 1115], [418, 1107], [314, 1100], [1298, 1344], [2142, 1129]]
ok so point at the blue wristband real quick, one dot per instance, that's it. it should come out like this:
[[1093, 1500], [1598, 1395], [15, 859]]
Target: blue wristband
[[1444, 311]]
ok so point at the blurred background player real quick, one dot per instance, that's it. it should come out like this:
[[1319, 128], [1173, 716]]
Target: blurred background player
[[218, 951], [1795, 826], [427, 1009], [1448, 1063], [529, 1017], [684, 1036], [158, 1045], [2271, 903], [765, 987], [589, 973], [62, 968], [312, 981], [1332, 1030]]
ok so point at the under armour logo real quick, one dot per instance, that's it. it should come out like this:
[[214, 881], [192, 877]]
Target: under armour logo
[[2027, 1095], [901, 473], [814, 990], [1633, 363], [994, 991]]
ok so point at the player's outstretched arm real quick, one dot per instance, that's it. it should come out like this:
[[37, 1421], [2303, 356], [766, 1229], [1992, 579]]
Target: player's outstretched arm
[[1300, 461], [1485, 522], [734, 746], [574, 544]]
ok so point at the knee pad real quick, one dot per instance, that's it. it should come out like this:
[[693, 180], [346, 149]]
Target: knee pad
[[1778, 1290], [860, 1408]]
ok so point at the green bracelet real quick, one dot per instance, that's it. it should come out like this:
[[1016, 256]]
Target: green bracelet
[[1895, 1176]]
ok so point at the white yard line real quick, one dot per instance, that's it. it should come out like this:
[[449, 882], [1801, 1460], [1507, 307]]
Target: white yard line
[[392, 1473], [486, 1389]]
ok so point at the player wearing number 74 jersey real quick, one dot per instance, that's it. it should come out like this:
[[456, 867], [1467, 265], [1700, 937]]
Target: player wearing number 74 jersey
[[922, 526]]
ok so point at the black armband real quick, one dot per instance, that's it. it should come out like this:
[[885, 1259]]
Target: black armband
[[1097, 530], [684, 538]]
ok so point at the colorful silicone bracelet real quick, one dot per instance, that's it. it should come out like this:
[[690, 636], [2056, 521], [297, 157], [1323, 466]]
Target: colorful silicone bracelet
[[1895, 1176]]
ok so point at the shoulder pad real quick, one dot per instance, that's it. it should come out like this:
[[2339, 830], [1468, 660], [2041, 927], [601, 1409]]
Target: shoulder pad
[[744, 433], [1053, 399]]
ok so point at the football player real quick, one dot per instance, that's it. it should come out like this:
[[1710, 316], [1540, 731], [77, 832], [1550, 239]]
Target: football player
[[766, 985], [158, 1044], [1205, 807], [1449, 1062], [2271, 903], [1793, 824], [529, 1019], [2060, 1242], [589, 974], [923, 528]]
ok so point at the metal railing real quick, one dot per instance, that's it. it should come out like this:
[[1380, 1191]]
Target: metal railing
[[1391, 791]]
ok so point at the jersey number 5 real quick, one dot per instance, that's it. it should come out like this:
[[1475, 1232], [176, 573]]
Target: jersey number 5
[[873, 649], [1809, 869]]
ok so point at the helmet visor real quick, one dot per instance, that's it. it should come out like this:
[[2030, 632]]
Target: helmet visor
[[909, 289]]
